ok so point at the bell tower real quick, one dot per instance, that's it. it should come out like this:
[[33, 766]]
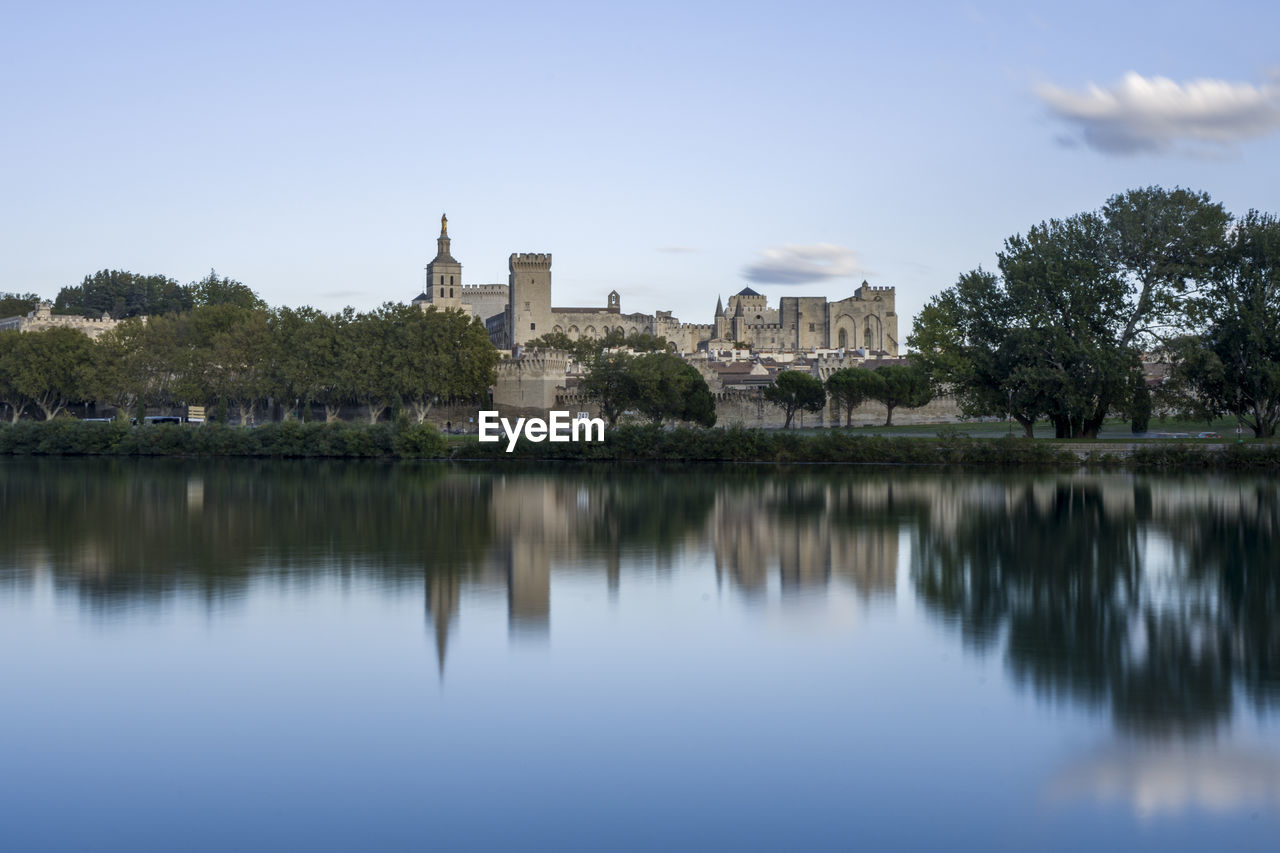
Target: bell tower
[[444, 273]]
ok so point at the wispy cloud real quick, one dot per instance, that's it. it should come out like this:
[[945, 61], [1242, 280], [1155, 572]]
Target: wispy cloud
[[1156, 115], [677, 250], [794, 264]]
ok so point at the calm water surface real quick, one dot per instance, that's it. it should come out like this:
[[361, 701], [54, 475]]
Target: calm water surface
[[324, 656]]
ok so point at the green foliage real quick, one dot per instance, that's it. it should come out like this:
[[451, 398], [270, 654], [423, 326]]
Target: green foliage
[[659, 385], [290, 439], [123, 294], [215, 290], [793, 391], [850, 387], [585, 350], [1233, 366], [903, 385], [1058, 333], [17, 304], [46, 369], [668, 388]]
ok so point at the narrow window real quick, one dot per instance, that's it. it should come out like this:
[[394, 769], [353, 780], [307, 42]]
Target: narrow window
[[533, 327], [442, 283], [451, 282]]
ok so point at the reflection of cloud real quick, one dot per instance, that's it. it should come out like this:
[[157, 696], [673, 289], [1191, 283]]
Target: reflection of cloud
[[1173, 778], [1141, 114], [794, 264]]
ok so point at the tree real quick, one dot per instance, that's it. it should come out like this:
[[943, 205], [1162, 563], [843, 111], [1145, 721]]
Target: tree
[[1234, 365], [123, 294], [793, 391], [10, 394], [440, 355], [1059, 332], [610, 381], [50, 368], [850, 387], [666, 387], [17, 304], [901, 385], [215, 290]]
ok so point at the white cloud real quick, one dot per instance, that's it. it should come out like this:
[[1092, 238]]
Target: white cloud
[[793, 264], [677, 250], [1153, 115]]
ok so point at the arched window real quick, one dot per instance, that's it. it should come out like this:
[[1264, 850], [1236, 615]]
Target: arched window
[[442, 284], [451, 289], [451, 282], [844, 339]]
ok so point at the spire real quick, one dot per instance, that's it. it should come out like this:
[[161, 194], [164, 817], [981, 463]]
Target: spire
[[719, 307], [442, 242]]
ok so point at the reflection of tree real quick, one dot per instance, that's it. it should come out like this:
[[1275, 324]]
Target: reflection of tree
[[1058, 576], [139, 530]]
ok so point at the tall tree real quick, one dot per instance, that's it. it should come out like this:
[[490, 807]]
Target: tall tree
[[220, 290], [610, 381], [50, 368], [668, 388], [1233, 366], [793, 391], [850, 387], [17, 304], [902, 385], [123, 294], [1059, 332]]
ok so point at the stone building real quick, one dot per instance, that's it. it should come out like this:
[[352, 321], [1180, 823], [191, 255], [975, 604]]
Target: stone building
[[521, 310], [43, 318]]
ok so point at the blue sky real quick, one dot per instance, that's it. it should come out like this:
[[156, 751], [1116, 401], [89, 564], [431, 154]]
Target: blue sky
[[673, 151]]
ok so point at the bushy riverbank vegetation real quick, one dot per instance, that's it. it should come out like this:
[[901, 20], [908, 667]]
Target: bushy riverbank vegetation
[[627, 443]]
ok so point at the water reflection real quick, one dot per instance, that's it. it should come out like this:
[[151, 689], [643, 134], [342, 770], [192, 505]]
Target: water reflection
[[1152, 601], [1155, 603]]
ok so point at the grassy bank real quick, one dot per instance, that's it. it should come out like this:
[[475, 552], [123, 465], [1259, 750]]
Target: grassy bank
[[290, 439], [293, 439]]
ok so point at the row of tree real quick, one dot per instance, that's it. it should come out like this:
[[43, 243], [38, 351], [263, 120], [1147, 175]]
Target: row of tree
[[1061, 329], [892, 385], [241, 356]]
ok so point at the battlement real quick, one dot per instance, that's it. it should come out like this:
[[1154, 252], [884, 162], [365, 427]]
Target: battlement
[[542, 361], [486, 289], [529, 260]]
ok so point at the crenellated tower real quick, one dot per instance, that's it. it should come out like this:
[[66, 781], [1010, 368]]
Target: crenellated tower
[[529, 296]]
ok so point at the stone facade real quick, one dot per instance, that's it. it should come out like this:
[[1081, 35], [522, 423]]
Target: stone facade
[[522, 310], [43, 318]]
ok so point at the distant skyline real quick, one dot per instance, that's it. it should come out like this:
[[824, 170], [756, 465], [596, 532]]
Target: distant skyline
[[674, 152]]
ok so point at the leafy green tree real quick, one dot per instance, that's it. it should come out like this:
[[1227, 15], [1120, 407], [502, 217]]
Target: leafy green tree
[[793, 391], [440, 355], [10, 394], [668, 388], [123, 294], [850, 387], [1059, 332], [17, 304], [611, 382], [220, 290], [50, 368], [901, 385], [1233, 367]]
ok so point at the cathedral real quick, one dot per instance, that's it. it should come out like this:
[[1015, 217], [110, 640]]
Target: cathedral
[[520, 311]]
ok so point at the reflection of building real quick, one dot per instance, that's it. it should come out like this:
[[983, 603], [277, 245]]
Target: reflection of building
[[443, 593], [808, 548]]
